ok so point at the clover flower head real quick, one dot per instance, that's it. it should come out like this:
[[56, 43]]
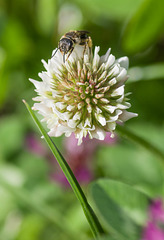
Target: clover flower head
[[85, 95]]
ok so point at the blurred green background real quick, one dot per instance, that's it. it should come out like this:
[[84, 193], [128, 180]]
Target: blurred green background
[[32, 204]]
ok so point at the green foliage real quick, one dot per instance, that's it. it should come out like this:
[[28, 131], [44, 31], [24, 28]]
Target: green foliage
[[11, 134], [33, 205], [132, 164], [151, 72], [46, 11], [115, 201], [116, 10], [145, 26], [31, 228]]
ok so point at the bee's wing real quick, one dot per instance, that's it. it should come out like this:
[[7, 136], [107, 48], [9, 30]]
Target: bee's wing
[[76, 33], [83, 35], [83, 31]]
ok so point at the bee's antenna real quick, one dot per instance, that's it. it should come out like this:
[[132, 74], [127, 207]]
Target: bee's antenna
[[54, 53]]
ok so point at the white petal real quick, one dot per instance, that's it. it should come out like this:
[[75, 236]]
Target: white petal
[[60, 105], [64, 129], [110, 61], [122, 74], [81, 126], [118, 91], [111, 126], [55, 132], [68, 134], [87, 123], [38, 99], [45, 64], [58, 57], [63, 116], [127, 115], [37, 84], [115, 117], [45, 77], [110, 108], [98, 133], [101, 119], [77, 116], [79, 137], [66, 116], [72, 123], [42, 108], [104, 100], [98, 110], [105, 57], [124, 62], [70, 108], [124, 106], [102, 76], [96, 58], [112, 82], [114, 71]]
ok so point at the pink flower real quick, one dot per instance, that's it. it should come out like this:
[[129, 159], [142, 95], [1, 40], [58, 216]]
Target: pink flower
[[34, 145], [152, 232], [80, 158], [157, 210], [153, 229]]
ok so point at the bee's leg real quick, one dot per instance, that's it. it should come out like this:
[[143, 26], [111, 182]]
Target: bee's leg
[[70, 53], [85, 47], [90, 45]]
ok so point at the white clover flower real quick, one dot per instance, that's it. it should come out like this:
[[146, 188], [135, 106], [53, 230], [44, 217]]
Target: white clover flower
[[84, 95]]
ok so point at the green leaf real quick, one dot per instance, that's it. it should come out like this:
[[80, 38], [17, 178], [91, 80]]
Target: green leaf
[[12, 135], [150, 72], [143, 142], [108, 237], [31, 228], [116, 203], [144, 27], [117, 9], [132, 165]]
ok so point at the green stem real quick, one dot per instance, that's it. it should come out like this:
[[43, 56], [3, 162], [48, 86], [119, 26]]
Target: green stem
[[132, 136], [89, 213]]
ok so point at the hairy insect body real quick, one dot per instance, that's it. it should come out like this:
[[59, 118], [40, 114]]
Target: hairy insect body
[[72, 38]]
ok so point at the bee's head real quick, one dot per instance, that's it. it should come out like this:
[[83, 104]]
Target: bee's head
[[65, 45]]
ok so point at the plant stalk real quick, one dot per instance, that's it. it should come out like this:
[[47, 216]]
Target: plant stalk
[[88, 211]]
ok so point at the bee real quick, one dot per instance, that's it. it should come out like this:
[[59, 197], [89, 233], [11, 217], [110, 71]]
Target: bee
[[70, 39]]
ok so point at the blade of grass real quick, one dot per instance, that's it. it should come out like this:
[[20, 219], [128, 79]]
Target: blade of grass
[[88, 211]]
